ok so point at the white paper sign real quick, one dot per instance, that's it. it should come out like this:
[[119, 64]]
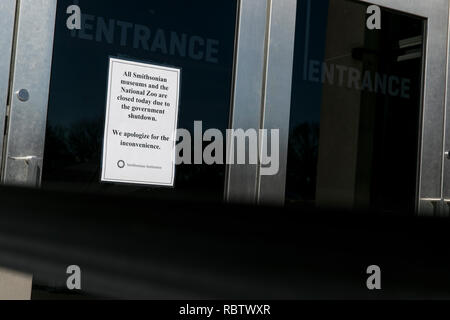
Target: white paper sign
[[141, 123]]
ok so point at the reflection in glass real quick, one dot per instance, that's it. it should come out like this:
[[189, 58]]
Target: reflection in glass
[[356, 106], [197, 36]]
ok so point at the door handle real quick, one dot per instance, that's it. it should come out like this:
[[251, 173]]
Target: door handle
[[26, 158], [33, 169]]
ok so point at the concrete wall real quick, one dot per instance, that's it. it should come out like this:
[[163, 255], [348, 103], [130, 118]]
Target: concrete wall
[[15, 285]]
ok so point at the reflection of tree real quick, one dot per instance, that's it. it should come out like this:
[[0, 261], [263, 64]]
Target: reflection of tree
[[208, 177], [74, 152], [302, 159], [56, 148], [73, 155], [85, 139]]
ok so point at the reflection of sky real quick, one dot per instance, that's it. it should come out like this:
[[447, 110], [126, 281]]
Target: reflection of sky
[[80, 67], [307, 96]]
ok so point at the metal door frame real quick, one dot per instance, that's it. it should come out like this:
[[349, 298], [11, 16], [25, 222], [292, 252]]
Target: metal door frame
[[277, 107], [443, 204], [7, 20], [31, 65]]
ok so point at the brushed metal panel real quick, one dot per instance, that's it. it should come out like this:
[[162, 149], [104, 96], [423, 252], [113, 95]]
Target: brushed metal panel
[[32, 64]]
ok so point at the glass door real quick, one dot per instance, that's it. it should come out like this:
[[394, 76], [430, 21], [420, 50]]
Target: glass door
[[177, 63], [365, 121]]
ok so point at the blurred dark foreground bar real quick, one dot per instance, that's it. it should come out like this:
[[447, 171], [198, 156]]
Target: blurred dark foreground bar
[[135, 248]]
